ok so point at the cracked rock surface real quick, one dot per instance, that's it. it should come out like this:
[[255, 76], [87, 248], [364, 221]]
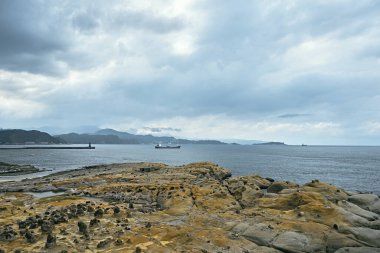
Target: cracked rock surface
[[198, 207]]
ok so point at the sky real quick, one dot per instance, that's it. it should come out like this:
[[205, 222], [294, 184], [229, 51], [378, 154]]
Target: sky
[[297, 71]]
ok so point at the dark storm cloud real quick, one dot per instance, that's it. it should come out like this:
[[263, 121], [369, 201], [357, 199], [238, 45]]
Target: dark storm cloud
[[30, 37]]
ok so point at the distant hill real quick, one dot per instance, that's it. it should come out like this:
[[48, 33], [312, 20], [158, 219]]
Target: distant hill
[[111, 136], [75, 138], [271, 143], [18, 136]]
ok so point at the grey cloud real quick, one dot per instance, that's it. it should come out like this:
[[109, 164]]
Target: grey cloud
[[293, 115], [161, 129], [238, 43], [85, 22], [132, 19], [30, 36]]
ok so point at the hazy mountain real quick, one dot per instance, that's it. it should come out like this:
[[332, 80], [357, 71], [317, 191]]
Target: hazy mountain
[[18, 136], [271, 143], [75, 138], [111, 136], [242, 142]]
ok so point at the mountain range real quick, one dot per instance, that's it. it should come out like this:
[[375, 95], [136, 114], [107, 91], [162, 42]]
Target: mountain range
[[111, 136], [102, 136], [19, 136]]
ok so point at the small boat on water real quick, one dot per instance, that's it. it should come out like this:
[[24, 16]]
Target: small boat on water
[[159, 146]]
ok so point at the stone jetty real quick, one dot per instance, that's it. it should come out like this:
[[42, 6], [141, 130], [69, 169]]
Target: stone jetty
[[199, 207]]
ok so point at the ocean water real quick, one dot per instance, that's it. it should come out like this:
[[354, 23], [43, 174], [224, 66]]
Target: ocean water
[[353, 168]]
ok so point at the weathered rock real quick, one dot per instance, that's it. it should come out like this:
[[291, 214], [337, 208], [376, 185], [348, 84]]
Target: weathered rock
[[99, 213], [30, 238], [260, 233], [367, 235], [51, 241], [292, 242], [358, 250], [335, 241], [94, 222], [277, 187], [190, 208], [370, 216], [82, 227], [116, 210], [370, 202], [104, 243], [47, 226], [7, 233]]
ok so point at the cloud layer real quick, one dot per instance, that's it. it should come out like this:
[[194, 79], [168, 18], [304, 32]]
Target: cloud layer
[[294, 71]]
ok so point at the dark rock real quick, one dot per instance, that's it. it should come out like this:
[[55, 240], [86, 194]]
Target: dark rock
[[7, 233], [270, 179], [47, 226], [30, 238], [116, 210], [119, 242], [22, 224], [99, 213], [104, 243], [148, 169], [82, 227], [94, 222], [51, 241], [276, 187], [138, 250]]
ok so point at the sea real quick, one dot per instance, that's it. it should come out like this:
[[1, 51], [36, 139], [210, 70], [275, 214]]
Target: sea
[[354, 168]]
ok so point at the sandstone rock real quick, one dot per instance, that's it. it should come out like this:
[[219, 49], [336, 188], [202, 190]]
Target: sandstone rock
[[370, 216], [358, 250], [292, 242], [260, 233], [369, 202], [335, 241], [363, 199], [277, 187], [367, 235], [195, 207]]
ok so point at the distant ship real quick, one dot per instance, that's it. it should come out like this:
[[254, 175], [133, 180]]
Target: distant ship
[[166, 147], [303, 145]]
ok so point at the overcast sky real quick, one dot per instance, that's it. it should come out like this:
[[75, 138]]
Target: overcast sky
[[296, 71]]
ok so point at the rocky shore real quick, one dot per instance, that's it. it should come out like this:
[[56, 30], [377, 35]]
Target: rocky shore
[[7, 169], [199, 207]]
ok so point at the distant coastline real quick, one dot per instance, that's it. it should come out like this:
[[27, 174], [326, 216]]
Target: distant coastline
[[271, 143]]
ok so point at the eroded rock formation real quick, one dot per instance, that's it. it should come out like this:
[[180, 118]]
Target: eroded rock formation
[[197, 207]]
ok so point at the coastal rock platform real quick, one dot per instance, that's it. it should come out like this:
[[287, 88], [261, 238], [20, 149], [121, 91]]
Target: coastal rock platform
[[198, 207]]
